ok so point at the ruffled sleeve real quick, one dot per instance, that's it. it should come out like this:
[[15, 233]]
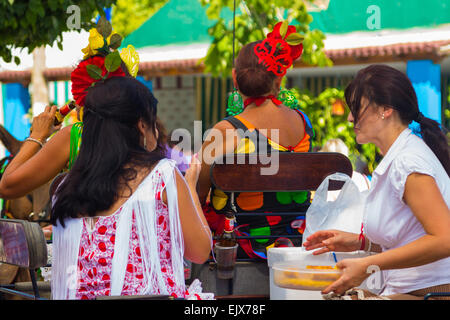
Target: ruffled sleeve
[[403, 166]]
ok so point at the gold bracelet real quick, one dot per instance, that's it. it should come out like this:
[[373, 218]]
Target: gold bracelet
[[35, 140]]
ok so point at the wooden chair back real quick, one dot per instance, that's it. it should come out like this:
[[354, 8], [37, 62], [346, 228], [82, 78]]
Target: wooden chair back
[[296, 172]]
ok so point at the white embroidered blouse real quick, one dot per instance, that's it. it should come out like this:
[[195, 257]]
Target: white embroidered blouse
[[140, 209]]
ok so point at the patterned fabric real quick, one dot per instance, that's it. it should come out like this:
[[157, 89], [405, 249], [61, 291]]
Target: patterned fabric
[[97, 250], [257, 201], [255, 141]]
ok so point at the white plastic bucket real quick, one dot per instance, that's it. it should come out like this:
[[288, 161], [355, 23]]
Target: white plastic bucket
[[275, 255]]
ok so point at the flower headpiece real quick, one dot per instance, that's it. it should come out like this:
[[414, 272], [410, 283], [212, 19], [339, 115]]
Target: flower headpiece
[[280, 48], [102, 60]]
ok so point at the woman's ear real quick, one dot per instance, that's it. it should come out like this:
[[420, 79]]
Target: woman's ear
[[141, 127], [233, 73], [387, 111], [277, 83]]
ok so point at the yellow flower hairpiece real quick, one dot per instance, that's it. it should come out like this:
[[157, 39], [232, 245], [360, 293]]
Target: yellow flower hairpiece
[[130, 57], [98, 45], [96, 42]]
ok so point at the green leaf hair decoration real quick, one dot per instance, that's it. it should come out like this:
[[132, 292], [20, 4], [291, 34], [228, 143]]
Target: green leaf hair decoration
[[288, 98], [235, 104]]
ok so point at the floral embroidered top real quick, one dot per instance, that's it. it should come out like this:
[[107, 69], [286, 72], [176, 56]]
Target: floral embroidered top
[[97, 250]]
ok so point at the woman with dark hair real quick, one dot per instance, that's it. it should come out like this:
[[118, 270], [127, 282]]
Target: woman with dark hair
[[124, 216], [118, 180], [267, 126], [407, 217], [39, 160]]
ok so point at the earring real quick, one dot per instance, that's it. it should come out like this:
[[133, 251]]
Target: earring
[[382, 116], [288, 98], [145, 142], [235, 103]]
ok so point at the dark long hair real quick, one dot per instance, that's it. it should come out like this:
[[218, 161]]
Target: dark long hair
[[386, 86], [110, 152], [252, 77]]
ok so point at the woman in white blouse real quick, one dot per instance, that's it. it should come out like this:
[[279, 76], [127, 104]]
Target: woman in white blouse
[[407, 216]]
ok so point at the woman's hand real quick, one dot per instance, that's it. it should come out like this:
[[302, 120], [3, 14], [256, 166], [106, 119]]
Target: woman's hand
[[47, 232], [354, 272], [42, 126], [193, 172], [332, 240]]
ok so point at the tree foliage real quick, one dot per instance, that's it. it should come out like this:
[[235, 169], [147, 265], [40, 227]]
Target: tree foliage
[[34, 23], [254, 19], [128, 15], [329, 124]]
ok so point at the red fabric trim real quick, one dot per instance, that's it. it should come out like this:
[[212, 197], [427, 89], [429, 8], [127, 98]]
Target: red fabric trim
[[260, 100]]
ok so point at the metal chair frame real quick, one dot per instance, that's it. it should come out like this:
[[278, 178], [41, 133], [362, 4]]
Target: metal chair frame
[[22, 243]]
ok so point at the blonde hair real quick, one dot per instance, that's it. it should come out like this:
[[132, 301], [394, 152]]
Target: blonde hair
[[335, 145]]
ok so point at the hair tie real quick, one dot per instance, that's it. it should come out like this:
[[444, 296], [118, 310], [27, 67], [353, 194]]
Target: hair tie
[[419, 117]]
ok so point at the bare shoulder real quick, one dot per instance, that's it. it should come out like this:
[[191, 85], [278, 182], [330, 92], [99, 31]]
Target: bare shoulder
[[223, 125]]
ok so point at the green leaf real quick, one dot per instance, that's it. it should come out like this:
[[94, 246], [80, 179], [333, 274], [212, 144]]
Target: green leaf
[[284, 28], [94, 71], [104, 27], [113, 61], [115, 41], [294, 39]]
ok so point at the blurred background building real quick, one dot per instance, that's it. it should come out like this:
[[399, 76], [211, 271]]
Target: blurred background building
[[411, 35]]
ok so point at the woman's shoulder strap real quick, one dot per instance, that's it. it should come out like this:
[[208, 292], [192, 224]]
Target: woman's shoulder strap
[[235, 122], [308, 125]]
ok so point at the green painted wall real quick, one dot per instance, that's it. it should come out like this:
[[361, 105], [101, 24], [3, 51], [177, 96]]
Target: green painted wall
[[344, 16], [177, 22], [185, 21]]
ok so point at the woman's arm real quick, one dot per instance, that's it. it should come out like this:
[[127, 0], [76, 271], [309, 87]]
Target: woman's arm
[[33, 166], [196, 233], [423, 197], [337, 240], [221, 140]]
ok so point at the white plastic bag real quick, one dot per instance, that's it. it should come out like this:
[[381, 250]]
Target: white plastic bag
[[345, 213]]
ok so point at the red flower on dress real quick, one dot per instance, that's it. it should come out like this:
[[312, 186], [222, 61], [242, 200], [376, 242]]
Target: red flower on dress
[[102, 230], [102, 246], [102, 262], [81, 80]]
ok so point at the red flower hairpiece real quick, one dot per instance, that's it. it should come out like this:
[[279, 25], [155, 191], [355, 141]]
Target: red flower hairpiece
[[280, 49], [102, 60], [82, 79]]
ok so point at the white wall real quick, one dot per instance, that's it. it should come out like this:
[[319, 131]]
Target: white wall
[[176, 106]]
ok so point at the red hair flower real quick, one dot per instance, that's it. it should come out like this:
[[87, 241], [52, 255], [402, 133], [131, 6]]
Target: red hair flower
[[296, 50], [280, 49], [82, 80]]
